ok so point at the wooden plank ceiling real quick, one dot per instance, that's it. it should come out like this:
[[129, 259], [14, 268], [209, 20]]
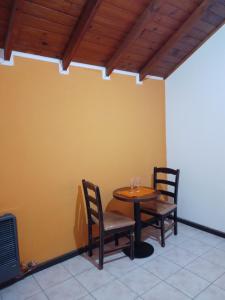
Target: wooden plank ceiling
[[150, 37]]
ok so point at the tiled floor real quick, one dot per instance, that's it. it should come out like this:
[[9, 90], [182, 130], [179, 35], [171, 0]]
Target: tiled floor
[[191, 266]]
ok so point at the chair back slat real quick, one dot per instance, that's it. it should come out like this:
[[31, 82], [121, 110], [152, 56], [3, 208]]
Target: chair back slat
[[167, 182], [89, 185], [166, 193], [94, 212], [92, 200], [157, 182], [93, 203], [167, 171], [94, 216]]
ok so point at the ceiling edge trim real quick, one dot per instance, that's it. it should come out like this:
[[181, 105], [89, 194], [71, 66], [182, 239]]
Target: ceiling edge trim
[[73, 64]]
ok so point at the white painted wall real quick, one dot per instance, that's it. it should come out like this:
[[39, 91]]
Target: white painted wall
[[195, 118]]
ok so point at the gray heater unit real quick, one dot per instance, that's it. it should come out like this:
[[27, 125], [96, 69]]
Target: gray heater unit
[[9, 253]]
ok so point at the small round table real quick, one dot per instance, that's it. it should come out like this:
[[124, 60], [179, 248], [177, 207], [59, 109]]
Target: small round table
[[135, 196]]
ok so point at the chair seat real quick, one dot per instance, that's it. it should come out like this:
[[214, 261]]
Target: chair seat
[[158, 207], [115, 221]]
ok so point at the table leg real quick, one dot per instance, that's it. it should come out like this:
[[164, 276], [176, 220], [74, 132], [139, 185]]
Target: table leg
[[137, 218], [141, 249]]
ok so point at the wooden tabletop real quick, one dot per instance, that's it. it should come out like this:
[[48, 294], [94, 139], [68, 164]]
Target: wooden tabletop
[[140, 194]]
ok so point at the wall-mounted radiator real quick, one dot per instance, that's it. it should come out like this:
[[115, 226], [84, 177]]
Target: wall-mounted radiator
[[9, 253]]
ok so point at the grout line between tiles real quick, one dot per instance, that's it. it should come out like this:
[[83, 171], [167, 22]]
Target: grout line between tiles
[[40, 287], [90, 292], [202, 291], [60, 281], [115, 279], [164, 280], [184, 267], [137, 265], [180, 268], [79, 273]]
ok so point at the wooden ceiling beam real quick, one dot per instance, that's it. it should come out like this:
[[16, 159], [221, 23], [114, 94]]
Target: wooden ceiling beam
[[13, 28], [79, 31], [196, 48], [182, 31], [133, 34]]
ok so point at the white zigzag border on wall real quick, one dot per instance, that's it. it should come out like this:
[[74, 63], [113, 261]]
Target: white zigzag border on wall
[[72, 64]]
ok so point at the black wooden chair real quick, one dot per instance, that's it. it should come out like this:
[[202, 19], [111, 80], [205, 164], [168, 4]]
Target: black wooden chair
[[109, 223], [163, 209]]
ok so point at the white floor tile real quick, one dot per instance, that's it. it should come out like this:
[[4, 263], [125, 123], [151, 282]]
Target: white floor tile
[[88, 297], [220, 282], [201, 254], [206, 269], [51, 276], [209, 239], [164, 291], [195, 247], [161, 267], [188, 231], [39, 296], [211, 293], [181, 225], [67, 290], [139, 280], [115, 290], [77, 265], [188, 283], [221, 245], [21, 290], [177, 239], [215, 256], [120, 267], [94, 278], [179, 256]]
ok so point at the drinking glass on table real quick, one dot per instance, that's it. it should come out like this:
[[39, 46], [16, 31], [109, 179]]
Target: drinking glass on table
[[138, 183], [132, 184]]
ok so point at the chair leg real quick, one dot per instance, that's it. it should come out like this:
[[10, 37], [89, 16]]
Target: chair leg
[[162, 232], [101, 251], [116, 239], [90, 253], [131, 245], [175, 222]]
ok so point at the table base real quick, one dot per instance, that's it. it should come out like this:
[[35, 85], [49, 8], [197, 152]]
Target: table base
[[141, 250]]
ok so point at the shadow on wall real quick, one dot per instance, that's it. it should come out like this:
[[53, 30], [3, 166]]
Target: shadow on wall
[[80, 225], [119, 206]]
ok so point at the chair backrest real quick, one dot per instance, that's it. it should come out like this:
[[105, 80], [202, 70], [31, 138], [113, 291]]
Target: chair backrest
[[167, 182], [93, 203]]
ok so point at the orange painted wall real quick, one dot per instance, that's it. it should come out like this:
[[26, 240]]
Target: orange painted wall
[[56, 130]]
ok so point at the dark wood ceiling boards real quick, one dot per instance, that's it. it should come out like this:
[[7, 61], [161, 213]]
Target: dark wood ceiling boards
[[150, 37], [79, 31], [161, 57]]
